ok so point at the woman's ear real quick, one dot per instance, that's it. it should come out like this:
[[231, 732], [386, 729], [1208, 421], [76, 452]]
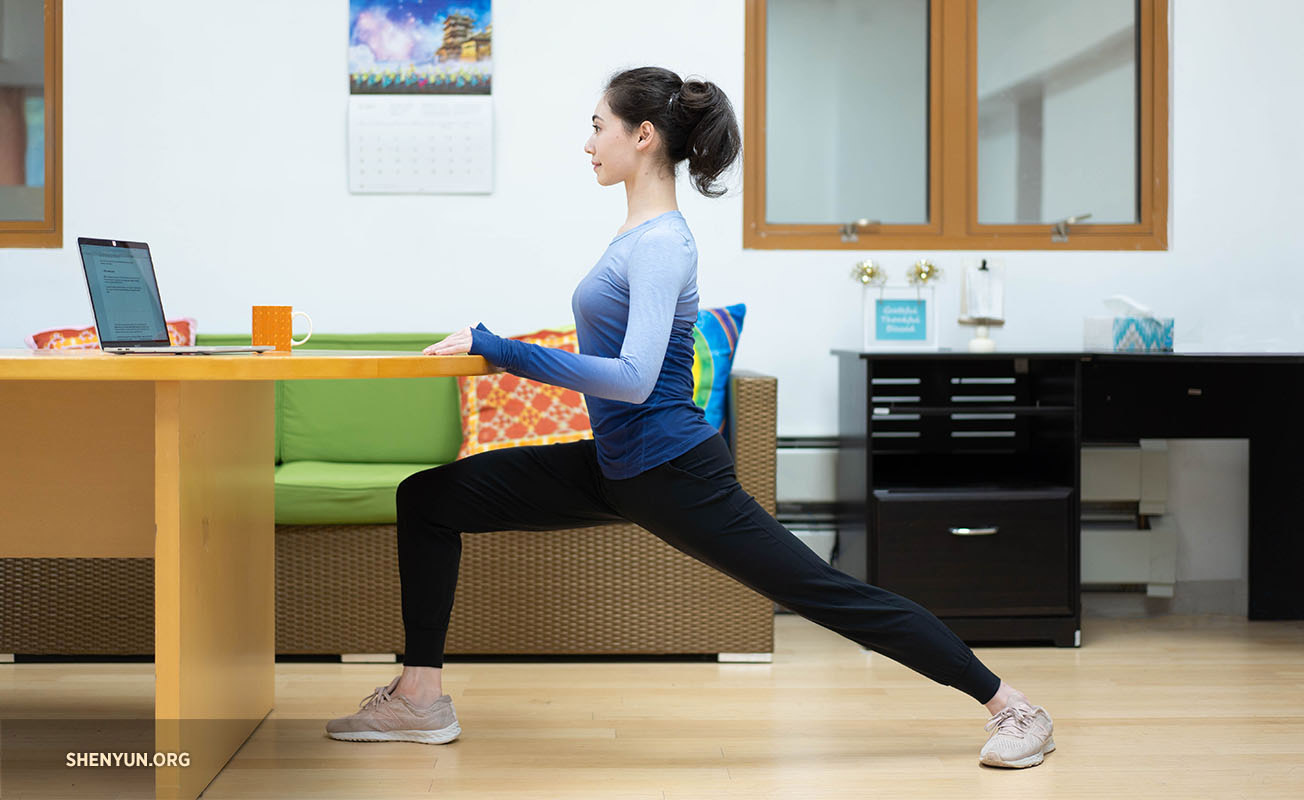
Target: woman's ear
[[645, 133]]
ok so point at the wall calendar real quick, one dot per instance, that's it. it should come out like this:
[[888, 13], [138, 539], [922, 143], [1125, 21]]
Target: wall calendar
[[420, 96]]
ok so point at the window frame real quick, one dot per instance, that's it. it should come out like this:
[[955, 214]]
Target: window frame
[[953, 151], [48, 231]]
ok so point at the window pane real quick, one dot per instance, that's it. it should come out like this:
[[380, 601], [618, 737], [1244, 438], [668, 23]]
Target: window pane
[[22, 122], [846, 107], [1057, 111]]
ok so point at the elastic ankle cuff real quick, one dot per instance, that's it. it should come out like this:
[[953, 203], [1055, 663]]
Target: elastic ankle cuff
[[415, 660], [423, 647]]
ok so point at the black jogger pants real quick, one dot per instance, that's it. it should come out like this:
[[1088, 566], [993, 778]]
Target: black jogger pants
[[694, 503]]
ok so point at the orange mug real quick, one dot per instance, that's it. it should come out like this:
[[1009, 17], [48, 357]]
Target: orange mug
[[272, 325]]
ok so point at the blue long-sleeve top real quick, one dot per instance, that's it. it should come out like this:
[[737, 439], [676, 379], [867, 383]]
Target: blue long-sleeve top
[[634, 314]]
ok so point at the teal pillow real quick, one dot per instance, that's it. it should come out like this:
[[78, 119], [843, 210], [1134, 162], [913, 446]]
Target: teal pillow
[[715, 338]]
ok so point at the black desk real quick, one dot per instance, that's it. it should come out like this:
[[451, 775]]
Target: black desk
[[1051, 404], [1225, 396]]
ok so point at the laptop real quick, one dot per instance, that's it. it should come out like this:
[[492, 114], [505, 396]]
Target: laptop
[[126, 303]]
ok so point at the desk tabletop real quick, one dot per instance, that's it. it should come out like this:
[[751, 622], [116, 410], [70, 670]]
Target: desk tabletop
[[96, 365], [1181, 357]]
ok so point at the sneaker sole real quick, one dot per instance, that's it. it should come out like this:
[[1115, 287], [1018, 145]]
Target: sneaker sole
[[441, 736], [1031, 761]]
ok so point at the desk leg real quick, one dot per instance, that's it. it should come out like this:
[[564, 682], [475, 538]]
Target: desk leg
[[214, 596], [1276, 547]]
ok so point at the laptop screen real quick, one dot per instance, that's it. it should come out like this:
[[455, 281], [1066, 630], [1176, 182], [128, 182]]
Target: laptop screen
[[124, 294]]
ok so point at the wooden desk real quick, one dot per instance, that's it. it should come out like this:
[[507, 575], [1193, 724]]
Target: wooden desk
[[171, 457]]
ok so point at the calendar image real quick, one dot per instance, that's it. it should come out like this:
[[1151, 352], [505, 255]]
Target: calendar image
[[421, 47]]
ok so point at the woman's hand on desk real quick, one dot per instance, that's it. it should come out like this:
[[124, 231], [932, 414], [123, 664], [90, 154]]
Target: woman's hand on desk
[[451, 345]]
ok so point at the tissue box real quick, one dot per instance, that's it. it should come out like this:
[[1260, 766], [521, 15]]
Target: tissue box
[[1128, 334]]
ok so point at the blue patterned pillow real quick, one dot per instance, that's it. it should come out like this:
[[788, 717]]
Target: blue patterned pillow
[[715, 338]]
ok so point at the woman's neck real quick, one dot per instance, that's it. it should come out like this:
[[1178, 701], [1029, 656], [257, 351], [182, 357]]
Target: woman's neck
[[648, 196]]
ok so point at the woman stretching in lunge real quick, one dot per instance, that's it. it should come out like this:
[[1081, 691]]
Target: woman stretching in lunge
[[653, 459]]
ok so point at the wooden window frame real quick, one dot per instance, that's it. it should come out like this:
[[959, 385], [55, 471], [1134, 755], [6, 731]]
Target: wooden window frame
[[953, 152], [48, 231]]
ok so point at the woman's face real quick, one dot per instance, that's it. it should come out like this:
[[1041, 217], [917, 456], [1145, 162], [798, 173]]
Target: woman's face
[[614, 153]]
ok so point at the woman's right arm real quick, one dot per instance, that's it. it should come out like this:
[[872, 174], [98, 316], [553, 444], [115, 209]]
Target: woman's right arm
[[660, 265]]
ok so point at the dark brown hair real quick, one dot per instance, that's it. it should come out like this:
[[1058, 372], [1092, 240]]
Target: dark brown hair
[[694, 118]]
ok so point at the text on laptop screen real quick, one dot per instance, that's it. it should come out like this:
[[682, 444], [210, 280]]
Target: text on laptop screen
[[124, 294]]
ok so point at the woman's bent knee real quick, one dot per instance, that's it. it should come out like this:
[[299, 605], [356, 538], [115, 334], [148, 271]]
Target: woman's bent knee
[[421, 489]]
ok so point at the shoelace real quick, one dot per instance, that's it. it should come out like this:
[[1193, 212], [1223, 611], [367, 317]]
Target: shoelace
[[1013, 720], [381, 695]]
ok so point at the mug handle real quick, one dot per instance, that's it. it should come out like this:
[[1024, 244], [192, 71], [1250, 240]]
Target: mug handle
[[309, 335]]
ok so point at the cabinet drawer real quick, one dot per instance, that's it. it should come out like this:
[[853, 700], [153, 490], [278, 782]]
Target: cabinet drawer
[[976, 553], [1165, 400]]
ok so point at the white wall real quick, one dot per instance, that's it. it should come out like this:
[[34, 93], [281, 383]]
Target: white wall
[[217, 135], [1208, 494]]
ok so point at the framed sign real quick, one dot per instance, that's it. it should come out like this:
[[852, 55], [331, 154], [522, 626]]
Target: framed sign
[[900, 318]]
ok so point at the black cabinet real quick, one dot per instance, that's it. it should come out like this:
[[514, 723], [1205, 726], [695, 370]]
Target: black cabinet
[[958, 488], [931, 442]]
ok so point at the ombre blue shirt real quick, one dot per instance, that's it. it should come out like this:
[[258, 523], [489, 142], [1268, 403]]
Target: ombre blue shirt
[[634, 316]]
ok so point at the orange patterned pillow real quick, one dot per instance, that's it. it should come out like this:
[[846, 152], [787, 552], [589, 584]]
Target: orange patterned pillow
[[180, 332], [504, 410]]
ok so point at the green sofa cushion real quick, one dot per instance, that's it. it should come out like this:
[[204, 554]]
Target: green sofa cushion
[[375, 420], [323, 493]]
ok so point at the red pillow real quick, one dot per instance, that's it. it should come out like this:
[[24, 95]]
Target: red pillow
[[504, 410], [180, 332]]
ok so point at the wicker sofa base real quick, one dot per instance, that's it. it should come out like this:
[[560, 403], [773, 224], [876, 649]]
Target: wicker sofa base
[[77, 606], [611, 589], [607, 590]]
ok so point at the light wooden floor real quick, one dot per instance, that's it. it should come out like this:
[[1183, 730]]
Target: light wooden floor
[[1168, 707]]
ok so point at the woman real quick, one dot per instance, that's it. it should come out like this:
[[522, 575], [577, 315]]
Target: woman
[[654, 460]]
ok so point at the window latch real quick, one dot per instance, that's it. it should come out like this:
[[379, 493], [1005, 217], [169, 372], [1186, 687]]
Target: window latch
[[849, 230], [1059, 232]]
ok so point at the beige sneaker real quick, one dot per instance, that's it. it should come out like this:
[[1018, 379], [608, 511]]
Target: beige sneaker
[[387, 717], [1022, 738]]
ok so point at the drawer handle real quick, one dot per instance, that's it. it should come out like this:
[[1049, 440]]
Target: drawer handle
[[974, 531]]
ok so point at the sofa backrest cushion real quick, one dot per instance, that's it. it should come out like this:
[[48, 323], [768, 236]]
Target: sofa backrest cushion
[[368, 420], [374, 420]]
